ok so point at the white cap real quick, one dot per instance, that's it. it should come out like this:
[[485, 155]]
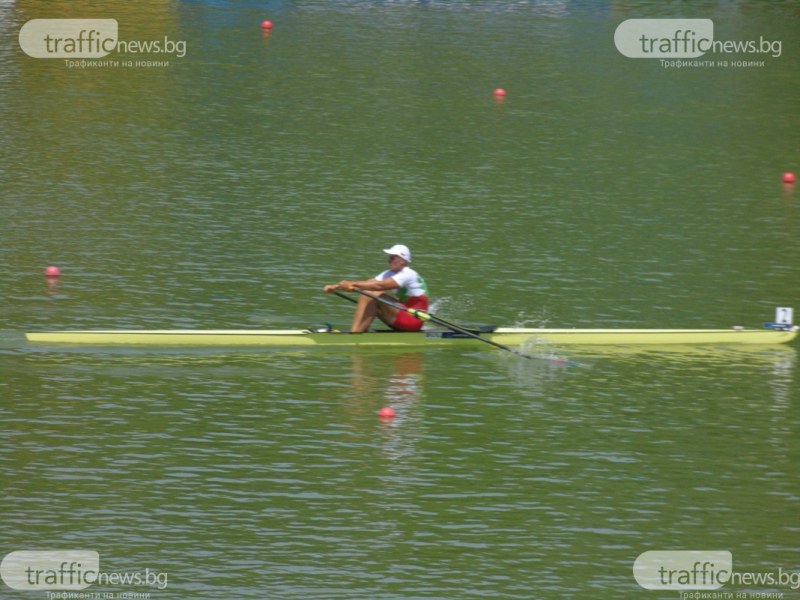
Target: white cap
[[399, 250]]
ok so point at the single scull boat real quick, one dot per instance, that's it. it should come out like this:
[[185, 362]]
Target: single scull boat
[[509, 336]]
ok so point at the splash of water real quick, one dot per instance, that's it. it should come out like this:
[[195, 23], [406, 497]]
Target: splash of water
[[526, 320]]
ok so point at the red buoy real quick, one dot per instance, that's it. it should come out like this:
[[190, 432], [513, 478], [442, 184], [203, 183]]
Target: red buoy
[[788, 178], [387, 412], [499, 93], [266, 25]]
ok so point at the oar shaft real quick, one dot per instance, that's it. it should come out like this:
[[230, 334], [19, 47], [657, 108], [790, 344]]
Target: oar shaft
[[425, 316], [345, 296], [412, 311]]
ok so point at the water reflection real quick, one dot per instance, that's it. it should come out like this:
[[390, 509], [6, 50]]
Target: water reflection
[[397, 383], [398, 380]]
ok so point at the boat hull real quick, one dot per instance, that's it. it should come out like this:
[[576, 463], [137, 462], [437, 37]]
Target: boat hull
[[505, 336]]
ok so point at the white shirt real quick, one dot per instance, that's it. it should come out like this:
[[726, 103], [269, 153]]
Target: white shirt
[[409, 281]]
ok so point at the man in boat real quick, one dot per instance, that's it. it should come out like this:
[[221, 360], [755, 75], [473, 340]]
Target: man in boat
[[411, 292]]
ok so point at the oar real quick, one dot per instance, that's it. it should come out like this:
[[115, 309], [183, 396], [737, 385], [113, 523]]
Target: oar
[[443, 322], [345, 296], [426, 316]]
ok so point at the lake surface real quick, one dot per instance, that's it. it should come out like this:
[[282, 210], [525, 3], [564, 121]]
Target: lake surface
[[225, 188]]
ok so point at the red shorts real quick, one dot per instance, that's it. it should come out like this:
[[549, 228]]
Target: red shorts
[[404, 321]]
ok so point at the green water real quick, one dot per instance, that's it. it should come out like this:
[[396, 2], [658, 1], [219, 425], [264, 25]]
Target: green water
[[225, 189]]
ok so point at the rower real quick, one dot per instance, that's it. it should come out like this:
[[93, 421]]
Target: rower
[[411, 293]]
